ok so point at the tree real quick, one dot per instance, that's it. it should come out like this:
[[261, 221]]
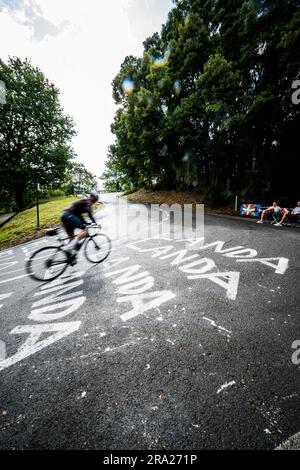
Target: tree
[[34, 133], [78, 179], [210, 104], [111, 177]]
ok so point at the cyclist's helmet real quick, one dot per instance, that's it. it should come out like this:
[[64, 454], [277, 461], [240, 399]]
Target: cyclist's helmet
[[94, 196]]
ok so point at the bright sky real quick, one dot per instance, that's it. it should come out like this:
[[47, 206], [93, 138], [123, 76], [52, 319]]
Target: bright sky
[[80, 45]]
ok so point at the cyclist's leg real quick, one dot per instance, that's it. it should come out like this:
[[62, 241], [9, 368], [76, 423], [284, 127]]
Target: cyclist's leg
[[74, 222], [83, 233], [66, 220], [80, 223]]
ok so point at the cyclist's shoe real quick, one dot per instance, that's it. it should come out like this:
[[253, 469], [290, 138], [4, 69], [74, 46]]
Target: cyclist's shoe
[[73, 259]]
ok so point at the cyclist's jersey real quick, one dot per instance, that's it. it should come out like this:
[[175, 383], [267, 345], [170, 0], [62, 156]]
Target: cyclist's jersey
[[83, 206]]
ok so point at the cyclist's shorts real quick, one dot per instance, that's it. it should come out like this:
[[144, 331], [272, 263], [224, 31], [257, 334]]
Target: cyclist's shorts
[[71, 222]]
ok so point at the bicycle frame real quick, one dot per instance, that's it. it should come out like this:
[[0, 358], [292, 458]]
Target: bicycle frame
[[55, 259], [62, 240]]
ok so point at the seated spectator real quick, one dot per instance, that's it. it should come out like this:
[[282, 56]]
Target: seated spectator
[[294, 215], [274, 209]]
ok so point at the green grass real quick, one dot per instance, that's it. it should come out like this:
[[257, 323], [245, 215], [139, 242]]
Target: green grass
[[23, 226]]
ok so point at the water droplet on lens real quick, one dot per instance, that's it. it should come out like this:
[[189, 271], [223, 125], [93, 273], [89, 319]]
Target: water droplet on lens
[[127, 86]]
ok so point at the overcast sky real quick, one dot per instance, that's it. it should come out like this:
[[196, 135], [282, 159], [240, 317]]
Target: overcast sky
[[80, 45]]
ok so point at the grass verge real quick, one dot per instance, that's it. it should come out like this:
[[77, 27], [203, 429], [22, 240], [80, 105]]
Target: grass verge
[[145, 196], [23, 227]]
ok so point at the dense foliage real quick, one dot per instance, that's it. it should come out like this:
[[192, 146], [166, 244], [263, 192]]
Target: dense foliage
[[34, 134], [209, 105], [78, 180]]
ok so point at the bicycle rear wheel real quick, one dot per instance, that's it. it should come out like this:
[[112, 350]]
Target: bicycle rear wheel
[[47, 263], [97, 248]]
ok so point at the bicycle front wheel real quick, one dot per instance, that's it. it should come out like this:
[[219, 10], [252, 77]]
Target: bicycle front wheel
[[97, 248], [47, 263]]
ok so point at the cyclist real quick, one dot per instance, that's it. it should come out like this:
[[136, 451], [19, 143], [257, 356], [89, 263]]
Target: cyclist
[[72, 219]]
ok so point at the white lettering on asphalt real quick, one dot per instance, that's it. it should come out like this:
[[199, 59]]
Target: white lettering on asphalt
[[42, 314], [59, 298], [280, 267], [33, 344], [245, 253], [56, 300], [143, 302], [128, 274], [138, 287], [124, 279], [13, 278], [296, 354], [34, 243], [64, 304], [7, 261], [229, 280], [5, 296], [133, 288], [161, 250], [180, 257], [31, 247], [13, 271], [157, 251], [7, 254], [218, 246], [7, 265], [115, 262], [208, 265], [2, 350]]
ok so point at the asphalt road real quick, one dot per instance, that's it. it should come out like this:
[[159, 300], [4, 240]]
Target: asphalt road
[[138, 354]]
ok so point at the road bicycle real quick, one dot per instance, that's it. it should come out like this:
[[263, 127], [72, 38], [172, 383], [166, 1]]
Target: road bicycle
[[50, 262]]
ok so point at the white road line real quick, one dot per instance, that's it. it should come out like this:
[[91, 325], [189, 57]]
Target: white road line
[[293, 443], [35, 242], [10, 272], [6, 252], [14, 278], [41, 257], [5, 296]]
